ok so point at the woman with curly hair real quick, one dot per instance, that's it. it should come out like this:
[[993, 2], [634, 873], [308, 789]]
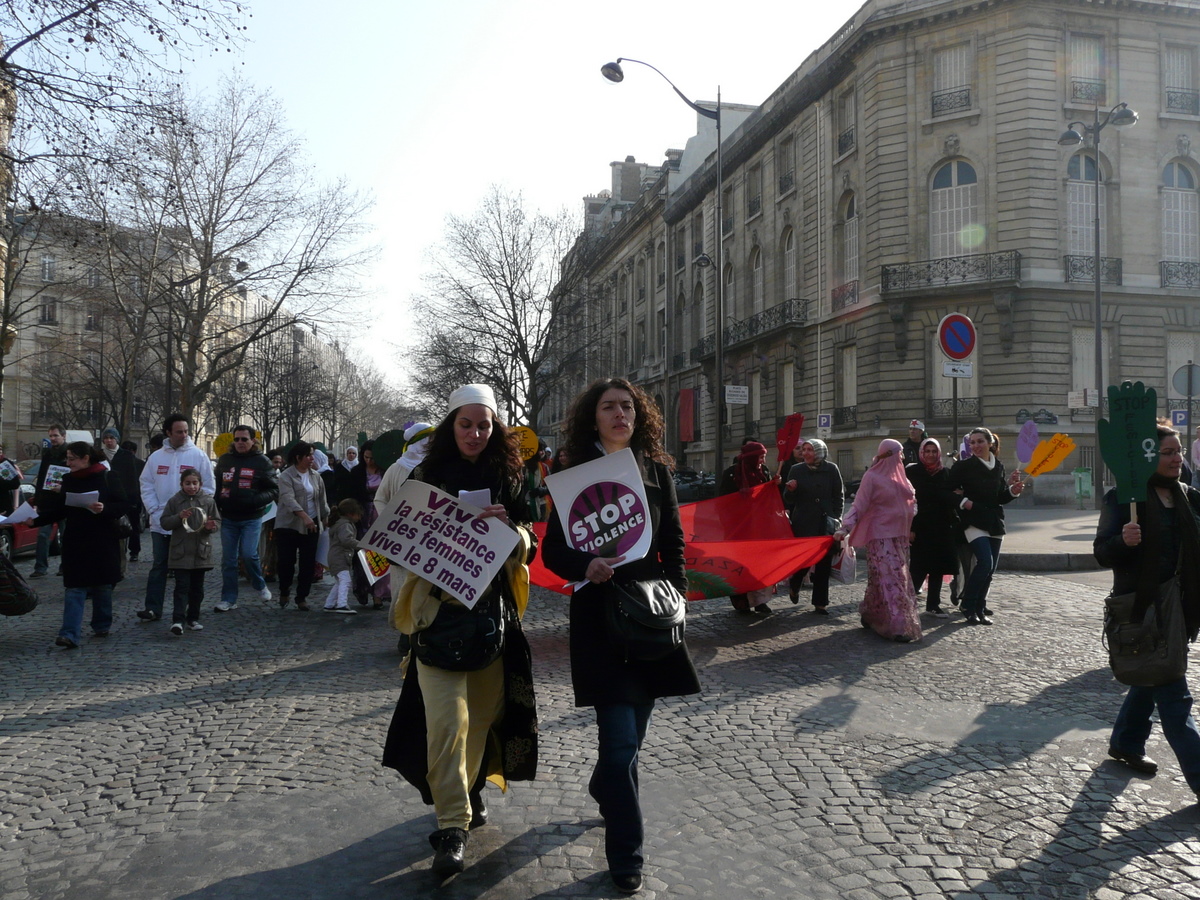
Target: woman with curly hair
[[455, 728], [606, 418]]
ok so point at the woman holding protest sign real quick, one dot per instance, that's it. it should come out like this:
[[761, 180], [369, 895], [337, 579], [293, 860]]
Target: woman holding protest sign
[[466, 716], [608, 417]]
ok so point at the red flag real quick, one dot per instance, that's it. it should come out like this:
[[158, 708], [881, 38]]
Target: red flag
[[787, 437], [733, 544]]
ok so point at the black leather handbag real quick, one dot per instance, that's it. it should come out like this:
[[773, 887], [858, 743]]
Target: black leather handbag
[[645, 620], [461, 639], [1147, 644]]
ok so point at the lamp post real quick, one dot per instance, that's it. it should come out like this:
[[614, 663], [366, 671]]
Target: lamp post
[[613, 72], [1120, 116]]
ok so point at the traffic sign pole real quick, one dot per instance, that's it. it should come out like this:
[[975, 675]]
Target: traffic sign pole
[[956, 337]]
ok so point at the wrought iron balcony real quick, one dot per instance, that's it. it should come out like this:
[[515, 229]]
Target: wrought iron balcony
[[698, 352], [845, 416], [969, 409], [783, 315], [1180, 100], [1083, 269], [953, 100], [973, 269], [1179, 274], [1088, 90], [845, 295], [845, 141], [787, 181], [753, 207]]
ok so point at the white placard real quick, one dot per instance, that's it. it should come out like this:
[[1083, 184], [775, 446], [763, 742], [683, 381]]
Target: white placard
[[957, 370], [737, 394], [24, 513], [82, 499], [435, 535], [603, 508]]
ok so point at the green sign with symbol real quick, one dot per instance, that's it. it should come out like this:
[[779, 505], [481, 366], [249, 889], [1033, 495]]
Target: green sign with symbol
[[1129, 438]]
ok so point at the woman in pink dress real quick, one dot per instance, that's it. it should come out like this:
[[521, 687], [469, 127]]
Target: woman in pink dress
[[880, 520]]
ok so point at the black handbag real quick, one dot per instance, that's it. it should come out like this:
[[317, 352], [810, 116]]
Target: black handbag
[[16, 597], [1147, 644], [123, 526], [644, 619], [460, 639]]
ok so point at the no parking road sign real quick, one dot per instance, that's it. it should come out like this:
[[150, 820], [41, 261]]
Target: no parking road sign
[[956, 336]]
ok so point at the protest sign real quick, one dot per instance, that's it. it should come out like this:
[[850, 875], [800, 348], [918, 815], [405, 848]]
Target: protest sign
[[602, 506], [1047, 455], [375, 565], [433, 534], [1129, 438]]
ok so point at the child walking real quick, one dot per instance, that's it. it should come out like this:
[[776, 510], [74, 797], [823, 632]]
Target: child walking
[[343, 544], [191, 516]]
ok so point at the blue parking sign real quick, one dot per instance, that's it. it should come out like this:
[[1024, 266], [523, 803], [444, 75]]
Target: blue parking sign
[[1179, 418]]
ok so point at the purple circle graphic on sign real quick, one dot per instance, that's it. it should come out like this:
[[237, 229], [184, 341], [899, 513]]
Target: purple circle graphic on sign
[[607, 519]]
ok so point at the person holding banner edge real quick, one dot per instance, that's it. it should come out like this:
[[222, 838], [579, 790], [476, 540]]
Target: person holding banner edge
[[608, 417], [455, 729], [1143, 556]]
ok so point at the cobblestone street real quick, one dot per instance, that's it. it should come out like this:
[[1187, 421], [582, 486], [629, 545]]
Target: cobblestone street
[[820, 761]]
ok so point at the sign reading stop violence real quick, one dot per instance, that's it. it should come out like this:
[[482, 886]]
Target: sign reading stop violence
[[602, 506]]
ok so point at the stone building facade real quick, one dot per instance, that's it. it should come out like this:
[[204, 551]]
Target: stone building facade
[[910, 168]]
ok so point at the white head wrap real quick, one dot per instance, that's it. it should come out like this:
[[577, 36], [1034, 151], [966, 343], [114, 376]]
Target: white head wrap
[[347, 462], [321, 460], [416, 443], [472, 393]]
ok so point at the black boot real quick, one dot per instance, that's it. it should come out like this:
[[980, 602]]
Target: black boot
[[479, 810], [450, 847]]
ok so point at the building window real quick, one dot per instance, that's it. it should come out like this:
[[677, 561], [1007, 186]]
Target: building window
[[697, 235], [849, 242], [1083, 358], [93, 278], [952, 79], [845, 123], [661, 325], [91, 321], [660, 264], [1180, 214], [790, 291], [137, 410], [787, 388], [48, 311], [847, 376], [954, 228], [785, 165], [641, 280], [727, 211], [754, 192], [1085, 60], [45, 405], [730, 294], [49, 265], [755, 409], [756, 281], [1081, 207], [697, 323], [1179, 80], [639, 343]]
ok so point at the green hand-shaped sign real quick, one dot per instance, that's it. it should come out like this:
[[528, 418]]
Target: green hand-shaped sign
[[1129, 442], [388, 448]]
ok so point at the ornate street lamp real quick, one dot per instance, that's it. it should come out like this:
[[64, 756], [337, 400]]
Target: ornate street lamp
[[613, 72]]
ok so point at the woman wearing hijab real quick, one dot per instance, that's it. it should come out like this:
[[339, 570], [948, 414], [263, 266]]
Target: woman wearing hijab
[[747, 472], [935, 526], [454, 730], [979, 480], [362, 485], [881, 520], [812, 491], [1163, 543]]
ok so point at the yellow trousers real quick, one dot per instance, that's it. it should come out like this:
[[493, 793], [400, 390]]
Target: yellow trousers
[[460, 710]]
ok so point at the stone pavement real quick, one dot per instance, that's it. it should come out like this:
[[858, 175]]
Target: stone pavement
[[820, 761]]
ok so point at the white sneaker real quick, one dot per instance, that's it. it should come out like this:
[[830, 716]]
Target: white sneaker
[[265, 593], [195, 626], [346, 611], [225, 607], [177, 629]]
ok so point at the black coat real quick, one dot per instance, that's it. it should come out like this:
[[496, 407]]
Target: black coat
[[127, 468], [91, 550], [936, 522], [987, 489], [247, 484], [818, 494], [1112, 553], [598, 673]]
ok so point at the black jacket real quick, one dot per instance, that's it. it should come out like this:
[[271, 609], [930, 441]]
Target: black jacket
[[1112, 553], [599, 675], [246, 485], [51, 456], [987, 489], [127, 469], [937, 504], [91, 550], [818, 494]]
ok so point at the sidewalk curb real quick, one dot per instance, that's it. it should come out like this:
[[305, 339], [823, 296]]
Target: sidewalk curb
[[1049, 562]]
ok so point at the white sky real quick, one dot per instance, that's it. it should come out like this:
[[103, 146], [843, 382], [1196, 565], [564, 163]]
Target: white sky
[[425, 104]]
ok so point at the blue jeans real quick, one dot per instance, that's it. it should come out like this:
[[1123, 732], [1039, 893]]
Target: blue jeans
[[987, 555], [73, 602], [1174, 702], [41, 555], [156, 581], [614, 783], [239, 538]]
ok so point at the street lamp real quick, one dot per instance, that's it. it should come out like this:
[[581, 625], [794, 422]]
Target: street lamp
[[1120, 116], [613, 72]]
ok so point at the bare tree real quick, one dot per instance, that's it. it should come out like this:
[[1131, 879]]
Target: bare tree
[[503, 284]]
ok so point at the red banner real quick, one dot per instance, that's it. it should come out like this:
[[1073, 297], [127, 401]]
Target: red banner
[[787, 437], [733, 544]]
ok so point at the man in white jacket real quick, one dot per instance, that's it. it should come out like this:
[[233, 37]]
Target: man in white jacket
[[159, 482]]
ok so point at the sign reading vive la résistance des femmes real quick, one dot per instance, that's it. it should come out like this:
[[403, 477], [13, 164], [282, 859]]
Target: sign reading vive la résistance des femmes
[[443, 539]]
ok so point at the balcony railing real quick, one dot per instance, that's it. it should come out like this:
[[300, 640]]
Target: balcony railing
[[968, 409], [1083, 269], [753, 207], [787, 313], [1181, 100], [845, 295], [845, 416], [1087, 90], [976, 268], [953, 100], [845, 141], [1179, 274], [787, 181]]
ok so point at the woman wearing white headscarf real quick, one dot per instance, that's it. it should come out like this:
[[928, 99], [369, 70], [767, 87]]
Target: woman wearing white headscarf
[[416, 442], [881, 520], [812, 491]]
